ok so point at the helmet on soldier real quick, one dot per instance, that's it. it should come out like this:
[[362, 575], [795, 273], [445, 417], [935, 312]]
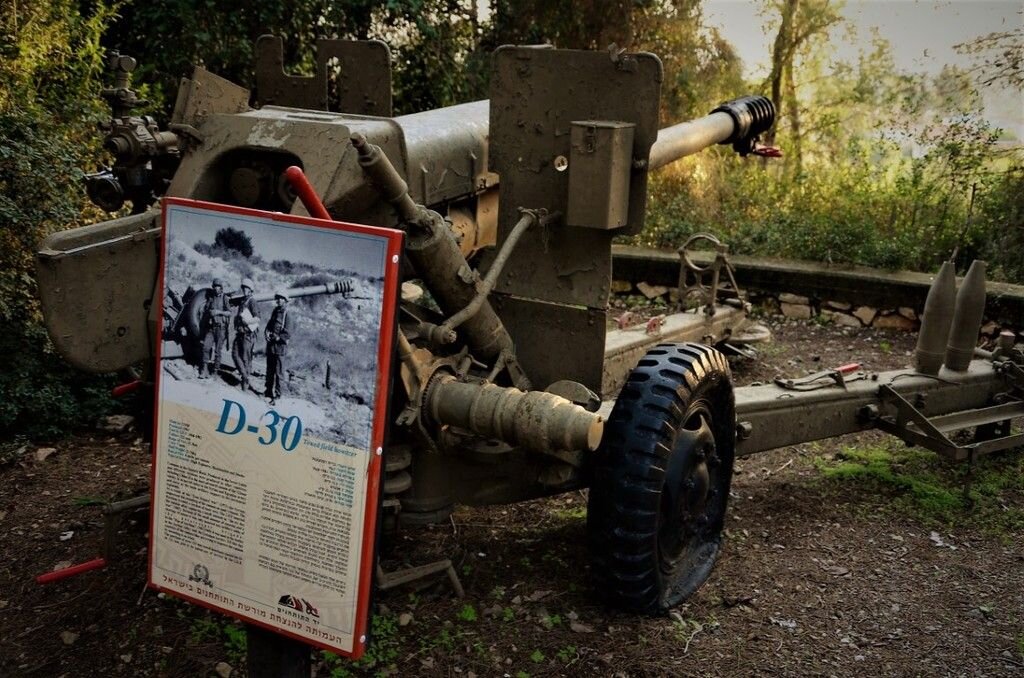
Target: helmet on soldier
[[280, 295], [248, 283], [217, 283]]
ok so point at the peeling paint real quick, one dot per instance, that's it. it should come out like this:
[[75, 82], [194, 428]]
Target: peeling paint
[[269, 133]]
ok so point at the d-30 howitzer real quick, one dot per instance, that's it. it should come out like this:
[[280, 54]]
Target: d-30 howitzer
[[496, 386]]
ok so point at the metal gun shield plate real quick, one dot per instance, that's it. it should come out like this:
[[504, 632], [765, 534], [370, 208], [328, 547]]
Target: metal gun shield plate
[[536, 94], [363, 84], [95, 285]]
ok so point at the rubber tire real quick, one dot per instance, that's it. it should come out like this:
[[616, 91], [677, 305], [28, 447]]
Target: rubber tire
[[629, 477]]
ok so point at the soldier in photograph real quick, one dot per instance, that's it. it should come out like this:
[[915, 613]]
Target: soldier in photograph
[[213, 324], [247, 322], [276, 334]]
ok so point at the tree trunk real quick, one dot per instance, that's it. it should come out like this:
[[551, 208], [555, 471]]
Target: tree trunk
[[793, 112], [782, 58]]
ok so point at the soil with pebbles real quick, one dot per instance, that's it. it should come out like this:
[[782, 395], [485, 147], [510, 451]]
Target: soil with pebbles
[[818, 577]]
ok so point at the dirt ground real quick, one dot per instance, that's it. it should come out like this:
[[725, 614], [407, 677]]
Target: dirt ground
[[826, 571]]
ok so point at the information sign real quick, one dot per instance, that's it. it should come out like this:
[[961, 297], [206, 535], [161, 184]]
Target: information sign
[[272, 389]]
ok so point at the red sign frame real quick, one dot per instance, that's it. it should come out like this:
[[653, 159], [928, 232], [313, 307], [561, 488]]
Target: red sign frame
[[385, 364]]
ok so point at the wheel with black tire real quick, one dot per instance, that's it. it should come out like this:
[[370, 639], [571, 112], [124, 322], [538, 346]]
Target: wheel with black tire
[[660, 479]]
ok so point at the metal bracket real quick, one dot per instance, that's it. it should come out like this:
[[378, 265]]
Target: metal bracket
[[914, 428], [389, 580], [812, 382], [363, 86], [692, 275]]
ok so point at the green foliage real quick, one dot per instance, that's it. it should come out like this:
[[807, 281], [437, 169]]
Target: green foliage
[[570, 514], [467, 613], [380, 655], [440, 48], [1000, 209], [878, 170], [204, 628], [445, 640], [50, 56], [48, 77], [923, 486], [567, 654], [536, 656], [908, 474], [216, 628], [434, 43], [235, 641], [551, 621]]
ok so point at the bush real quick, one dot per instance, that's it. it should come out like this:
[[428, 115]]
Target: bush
[[857, 209], [233, 239], [1001, 218], [50, 62]]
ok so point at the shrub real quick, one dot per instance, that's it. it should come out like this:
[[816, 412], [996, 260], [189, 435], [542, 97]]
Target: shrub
[[49, 61], [233, 239]]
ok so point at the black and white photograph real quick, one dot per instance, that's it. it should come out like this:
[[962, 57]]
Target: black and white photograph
[[273, 314]]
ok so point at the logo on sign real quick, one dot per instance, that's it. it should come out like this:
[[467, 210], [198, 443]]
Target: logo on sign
[[200, 574], [299, 604]]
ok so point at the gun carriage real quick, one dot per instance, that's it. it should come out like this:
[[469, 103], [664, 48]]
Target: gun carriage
[[509, 208]]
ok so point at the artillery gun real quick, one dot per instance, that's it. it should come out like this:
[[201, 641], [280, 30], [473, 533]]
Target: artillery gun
[[497, 386], [182, 323]]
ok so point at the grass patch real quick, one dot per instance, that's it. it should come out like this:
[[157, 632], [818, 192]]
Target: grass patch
[[224, 630], [381, 653], [570, 514], [920, 484]]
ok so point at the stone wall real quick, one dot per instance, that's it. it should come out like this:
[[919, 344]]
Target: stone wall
[[796, 307]]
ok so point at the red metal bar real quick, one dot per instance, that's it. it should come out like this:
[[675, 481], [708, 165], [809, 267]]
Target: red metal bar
[[306, 194], [124, 389], [848, 369], [57, 575]]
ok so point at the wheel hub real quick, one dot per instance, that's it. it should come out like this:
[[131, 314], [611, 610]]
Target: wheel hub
[[687, 489]]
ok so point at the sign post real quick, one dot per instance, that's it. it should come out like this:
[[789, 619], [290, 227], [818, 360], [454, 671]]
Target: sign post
[[266, 472]]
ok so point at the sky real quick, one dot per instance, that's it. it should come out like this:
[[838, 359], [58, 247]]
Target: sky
[[922, 34], [324, 248]]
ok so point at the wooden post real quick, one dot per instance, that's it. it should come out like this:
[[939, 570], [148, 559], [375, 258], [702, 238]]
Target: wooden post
[[271, 655]]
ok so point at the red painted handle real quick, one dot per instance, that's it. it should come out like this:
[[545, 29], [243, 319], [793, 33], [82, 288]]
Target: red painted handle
[[767, 151], [122, 389], [57, 575], [848, 369], [306, 194]]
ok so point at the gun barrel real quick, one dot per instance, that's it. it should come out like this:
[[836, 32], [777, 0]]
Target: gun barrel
[[333, 287], [735, 122], [687, 138]]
